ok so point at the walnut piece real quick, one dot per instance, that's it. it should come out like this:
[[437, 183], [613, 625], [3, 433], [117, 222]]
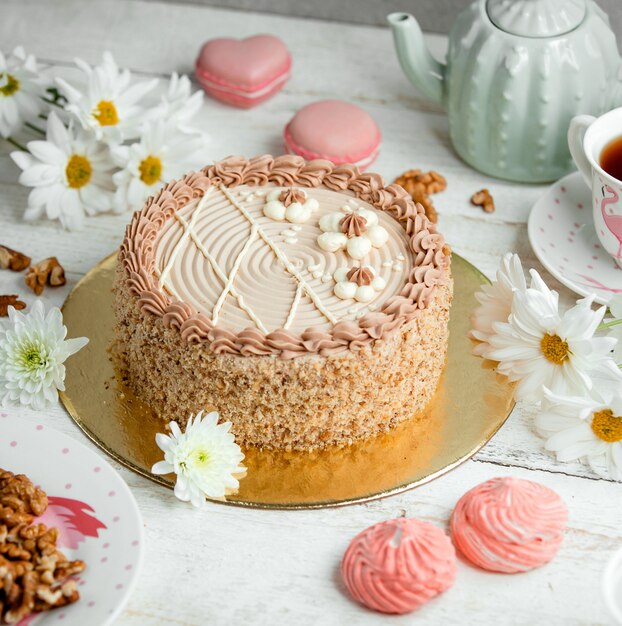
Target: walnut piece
[[484, 199], [10, 300], [420, 185], [49, 271], [26, 497], [13, 260], [34, 574]]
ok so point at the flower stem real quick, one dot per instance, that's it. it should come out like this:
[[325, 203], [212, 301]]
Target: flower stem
[[609, 324], [35, 128], [60, 106], [16, 144]]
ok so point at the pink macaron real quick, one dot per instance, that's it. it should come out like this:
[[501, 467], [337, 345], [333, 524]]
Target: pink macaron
[[335, 130], [243, 72]]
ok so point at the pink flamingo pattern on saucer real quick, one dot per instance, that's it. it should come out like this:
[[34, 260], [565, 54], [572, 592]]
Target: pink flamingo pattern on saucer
[[73, 519], [612, 221], [563, 236]]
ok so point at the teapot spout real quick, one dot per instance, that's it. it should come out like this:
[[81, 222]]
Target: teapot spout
[[420, 67]]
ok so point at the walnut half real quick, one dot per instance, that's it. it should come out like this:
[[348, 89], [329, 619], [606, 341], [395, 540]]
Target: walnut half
[[13, 260], [484, 199], [49, 271], [10, 300]]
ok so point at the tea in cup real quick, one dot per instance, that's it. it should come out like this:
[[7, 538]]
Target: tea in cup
[[596, 147]]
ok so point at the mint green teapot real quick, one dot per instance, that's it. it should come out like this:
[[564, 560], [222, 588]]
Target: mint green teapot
[[517, 72]]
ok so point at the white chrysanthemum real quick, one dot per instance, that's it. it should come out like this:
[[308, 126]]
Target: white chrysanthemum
[[108, 104], [179, 104], [205, 458], [33, 349], [21, 90], [70, 174], [588, 429], [541, 348], [163, 153], [496, 300]]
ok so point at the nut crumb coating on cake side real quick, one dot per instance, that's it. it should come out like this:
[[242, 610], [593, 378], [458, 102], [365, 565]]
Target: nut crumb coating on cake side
[[281, 389]]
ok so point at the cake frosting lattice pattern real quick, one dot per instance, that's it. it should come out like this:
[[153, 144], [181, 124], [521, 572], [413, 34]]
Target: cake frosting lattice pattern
[[233, 319]]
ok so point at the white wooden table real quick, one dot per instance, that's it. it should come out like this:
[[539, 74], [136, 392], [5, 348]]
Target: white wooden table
[[228, 565]]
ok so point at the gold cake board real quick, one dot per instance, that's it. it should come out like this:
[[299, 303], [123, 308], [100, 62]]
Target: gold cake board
[[471, 404]]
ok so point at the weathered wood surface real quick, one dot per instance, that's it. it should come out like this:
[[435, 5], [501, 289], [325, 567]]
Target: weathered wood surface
[[232, 566]]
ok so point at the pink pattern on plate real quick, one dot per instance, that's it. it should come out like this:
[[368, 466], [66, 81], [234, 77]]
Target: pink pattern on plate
[[595, 283], [73, 519]]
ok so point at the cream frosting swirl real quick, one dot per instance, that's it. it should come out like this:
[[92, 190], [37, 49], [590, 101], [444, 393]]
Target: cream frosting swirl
[[429, 262], [509, 525], [398, 565]]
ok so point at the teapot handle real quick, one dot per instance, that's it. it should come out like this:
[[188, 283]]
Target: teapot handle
[[576, 132]]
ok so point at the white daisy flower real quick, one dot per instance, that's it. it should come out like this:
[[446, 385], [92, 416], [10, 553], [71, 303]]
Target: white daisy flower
[[33, 349], [179, 104], [163, 153], [587, 429], [205, 458], [21, 90], [108, 105], [496, 300], [539, 347], [70, 174]]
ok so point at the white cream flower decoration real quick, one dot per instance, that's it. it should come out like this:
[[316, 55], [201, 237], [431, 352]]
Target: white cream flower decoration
[[357, 283], [354, 230], [108, 104], [71, 175], [587, 429], [291, 204], [21, 90], [163, 153], [539, 347], [33, 349], [204, 457]]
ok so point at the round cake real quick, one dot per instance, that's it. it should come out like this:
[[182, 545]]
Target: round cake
[[306, 302]]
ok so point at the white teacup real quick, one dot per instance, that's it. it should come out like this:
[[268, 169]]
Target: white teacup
[[587, 136]]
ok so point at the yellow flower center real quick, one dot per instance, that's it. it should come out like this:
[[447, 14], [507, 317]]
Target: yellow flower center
[[106, 113], [11, 86], [78, 171], [554, 348], [201, 457], [607, 426], [150, 169]]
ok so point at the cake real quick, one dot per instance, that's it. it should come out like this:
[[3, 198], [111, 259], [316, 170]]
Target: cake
[[306, 302]]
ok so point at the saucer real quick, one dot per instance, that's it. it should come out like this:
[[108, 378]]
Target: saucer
[[561, 233]]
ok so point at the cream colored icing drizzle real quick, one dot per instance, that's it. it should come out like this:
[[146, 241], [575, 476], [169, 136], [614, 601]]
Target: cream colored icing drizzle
[[153, 231], [292, 311], [267, 268], [220, 273], [232, 275], [283, 258], [184, 237]]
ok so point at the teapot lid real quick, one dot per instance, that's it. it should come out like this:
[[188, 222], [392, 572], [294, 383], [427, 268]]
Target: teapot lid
[[536, 18]]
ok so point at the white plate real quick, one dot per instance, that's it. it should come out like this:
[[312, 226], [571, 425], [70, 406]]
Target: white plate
[[561, 233], [97, 515]]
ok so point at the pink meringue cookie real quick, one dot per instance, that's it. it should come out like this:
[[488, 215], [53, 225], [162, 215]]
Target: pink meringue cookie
[[509, 525], [398, 565]]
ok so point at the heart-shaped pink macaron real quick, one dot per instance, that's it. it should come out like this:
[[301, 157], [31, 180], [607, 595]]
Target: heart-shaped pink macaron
[[243, 72]]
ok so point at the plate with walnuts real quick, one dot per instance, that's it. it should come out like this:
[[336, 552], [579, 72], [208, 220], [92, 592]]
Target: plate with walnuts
[[71, 534]]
